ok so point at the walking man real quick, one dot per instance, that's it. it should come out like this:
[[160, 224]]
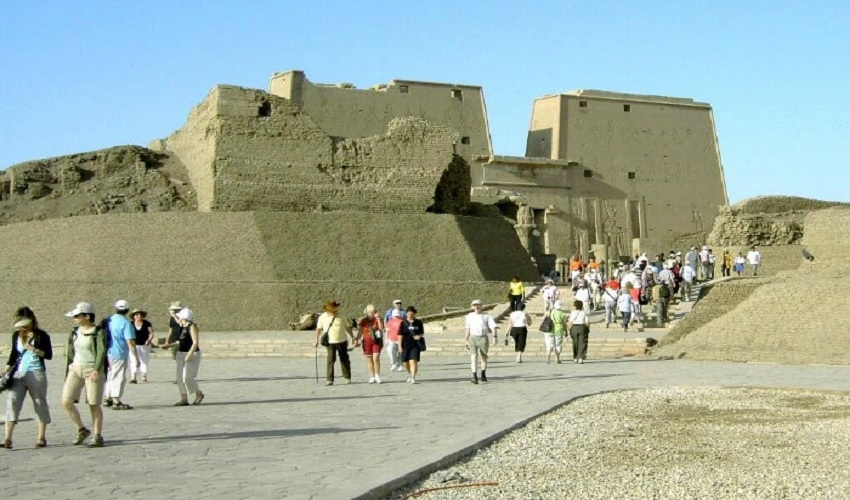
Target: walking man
[[754, 259], [122, 337], [478, 328]]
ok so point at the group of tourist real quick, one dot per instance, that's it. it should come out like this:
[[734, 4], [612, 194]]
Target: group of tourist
[[100, 357]]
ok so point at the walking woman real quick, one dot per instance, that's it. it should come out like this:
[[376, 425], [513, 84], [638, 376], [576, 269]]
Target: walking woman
[[85, 362], [30, 347], [188, 358], [579, 327], [626, 306], [519, 321], [371, 331], [516, 293], [338, 330], [411, 332], [144, 342], [554, 340]]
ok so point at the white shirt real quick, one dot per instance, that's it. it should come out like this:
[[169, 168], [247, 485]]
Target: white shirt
[[551, 292], [624, 303], [477, 322], [740, 260], [578, 318], [582, 294], [688, 273], [518, 319], [753, 257]]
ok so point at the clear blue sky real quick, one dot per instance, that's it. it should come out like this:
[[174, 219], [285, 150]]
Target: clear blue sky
[[78, 76]]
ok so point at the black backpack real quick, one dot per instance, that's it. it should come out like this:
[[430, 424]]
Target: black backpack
[[104, 325]]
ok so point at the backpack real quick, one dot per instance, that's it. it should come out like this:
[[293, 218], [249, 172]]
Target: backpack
[[104, 325]]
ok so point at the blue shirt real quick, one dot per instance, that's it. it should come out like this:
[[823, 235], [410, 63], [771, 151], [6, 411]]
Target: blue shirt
[[120, 331], [30, 362]]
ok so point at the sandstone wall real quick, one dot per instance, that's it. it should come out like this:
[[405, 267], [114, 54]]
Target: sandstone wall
[[255, 271], [796, 316], [249, 150]]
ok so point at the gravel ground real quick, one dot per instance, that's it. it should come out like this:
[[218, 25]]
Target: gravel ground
[[676, 443]]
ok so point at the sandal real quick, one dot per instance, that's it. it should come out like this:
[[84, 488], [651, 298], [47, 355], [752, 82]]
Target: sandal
[[198, 399], [7, 443], [41, 443], [121, 406], [181, 403]]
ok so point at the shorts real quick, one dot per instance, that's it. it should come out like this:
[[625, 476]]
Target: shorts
[[410, 354], [79, 376]]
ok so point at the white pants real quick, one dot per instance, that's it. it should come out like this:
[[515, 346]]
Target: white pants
[[393, 352], [143, 354], [116, 379], [553, 341], [187, 373]]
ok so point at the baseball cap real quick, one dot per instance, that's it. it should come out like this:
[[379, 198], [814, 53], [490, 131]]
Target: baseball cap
[[477, 302], [397, 301], [122, 305], [81, 308]]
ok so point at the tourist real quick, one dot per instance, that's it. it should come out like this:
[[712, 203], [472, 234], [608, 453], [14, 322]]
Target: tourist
[[626, 306], [85, 366], [668, 278], [692, 258], [392, 340], [412, 333], [144, 343], [337, 330], [519, 322], [726, 265], [578, 324], [516, 293], [712, 262], [173, 327], [609, 297], [593, 277], [582, 294], [576, 267], [121, 351], [396, 307], [688, 276], [478, 326], [188, 358], [636, 294], [740, 260], [754, 260], [554, 340], [662, 303], [705, 264], [30, 347], [371, 331], [550, 293]]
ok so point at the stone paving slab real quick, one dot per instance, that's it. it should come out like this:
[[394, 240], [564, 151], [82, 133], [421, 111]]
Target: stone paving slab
[[268, 430]]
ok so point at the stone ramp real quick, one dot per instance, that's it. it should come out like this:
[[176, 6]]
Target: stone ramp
[[794, 317]]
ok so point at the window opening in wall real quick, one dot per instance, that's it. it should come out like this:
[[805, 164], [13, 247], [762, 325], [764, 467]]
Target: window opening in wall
[[627, 108], [265, 109], [588, 173], [582, 104], [631, 175], [403, 89], [464, 139], [457, 94]]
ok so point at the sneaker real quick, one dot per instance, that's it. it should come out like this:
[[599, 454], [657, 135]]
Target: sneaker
[[581, 361], [575, 360], [371, 380], [82, 434], [329, 382], [347, 381], [409, 379], [377, 379], [96, 441], [413, 381]]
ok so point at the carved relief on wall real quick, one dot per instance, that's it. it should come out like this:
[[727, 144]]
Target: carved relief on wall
[[612, 229], [696, 218]]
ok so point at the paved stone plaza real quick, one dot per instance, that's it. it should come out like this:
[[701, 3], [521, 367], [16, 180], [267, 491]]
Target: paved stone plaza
[[268, 430]]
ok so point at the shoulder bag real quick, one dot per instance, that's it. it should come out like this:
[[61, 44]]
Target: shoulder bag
[[546, 324], [7, 378], [325, 339]]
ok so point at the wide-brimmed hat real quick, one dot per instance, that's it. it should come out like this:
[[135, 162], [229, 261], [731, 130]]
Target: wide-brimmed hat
[[332, 305], [139, 311], [186, 314], [175, 306]]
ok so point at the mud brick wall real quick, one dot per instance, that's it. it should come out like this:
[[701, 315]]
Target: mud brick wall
[[255, 270]]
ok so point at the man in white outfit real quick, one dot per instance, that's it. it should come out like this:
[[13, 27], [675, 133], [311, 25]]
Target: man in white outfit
[[478, 327]]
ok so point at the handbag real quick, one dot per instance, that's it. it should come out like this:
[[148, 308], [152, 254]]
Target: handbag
[[546, 324], [377, 336], [421, 344], [7, 378], [324, 340]]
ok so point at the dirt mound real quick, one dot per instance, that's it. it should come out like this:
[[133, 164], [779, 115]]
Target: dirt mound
[[119, 179]]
